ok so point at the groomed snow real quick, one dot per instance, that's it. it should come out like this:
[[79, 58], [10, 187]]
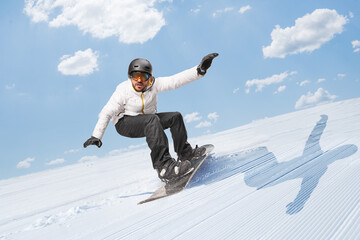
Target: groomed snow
[[294, 176]]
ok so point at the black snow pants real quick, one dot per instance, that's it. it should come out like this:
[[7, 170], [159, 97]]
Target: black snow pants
[[152, 127]]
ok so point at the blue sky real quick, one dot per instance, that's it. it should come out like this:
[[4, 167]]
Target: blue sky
[[59, 64]]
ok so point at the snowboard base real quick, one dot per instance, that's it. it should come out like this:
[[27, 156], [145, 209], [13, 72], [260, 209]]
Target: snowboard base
[[171, 188]]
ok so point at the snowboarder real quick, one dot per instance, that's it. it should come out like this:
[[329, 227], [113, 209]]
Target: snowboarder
[[133, 110]]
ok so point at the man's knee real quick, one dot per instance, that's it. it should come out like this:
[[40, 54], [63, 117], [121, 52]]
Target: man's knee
[[177, 116], [152, 119]]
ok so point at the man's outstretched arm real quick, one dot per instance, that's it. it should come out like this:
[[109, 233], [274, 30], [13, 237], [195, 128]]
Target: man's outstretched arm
[[185, 77]]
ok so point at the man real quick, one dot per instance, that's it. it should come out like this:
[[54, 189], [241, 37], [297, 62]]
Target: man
[[133, 110]]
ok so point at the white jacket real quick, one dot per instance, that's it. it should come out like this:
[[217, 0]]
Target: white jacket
[[126, 101]]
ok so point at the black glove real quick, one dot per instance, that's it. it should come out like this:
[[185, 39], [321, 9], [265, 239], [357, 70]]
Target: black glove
[[206, 63], [93, 141]]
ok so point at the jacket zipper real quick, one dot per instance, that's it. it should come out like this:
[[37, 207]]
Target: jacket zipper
[[143, 105]]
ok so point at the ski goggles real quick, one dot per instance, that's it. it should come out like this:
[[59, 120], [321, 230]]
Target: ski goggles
[[140, 75]]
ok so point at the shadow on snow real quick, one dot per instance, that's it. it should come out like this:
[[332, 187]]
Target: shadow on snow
[[261, 168]]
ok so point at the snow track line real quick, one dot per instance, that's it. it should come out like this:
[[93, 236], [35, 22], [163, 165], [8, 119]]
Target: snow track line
[[238, 169], [305, 163], [226, 233], [355, 218], [41, 211], [59, 180], [242, 234], [227, 206], [267, 159], [146, 221], [186, 203], [298, 230], [340, 214], [337, 214], [256, 216], [143, 223], [219, 211]]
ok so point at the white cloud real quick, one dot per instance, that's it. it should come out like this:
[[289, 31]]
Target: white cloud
[[129, 148], [356, 45], [207, 132], [321, 80], [341, 75], [192, 117], [280, 89], [132, 21], [56, 162], [221, 11], [313, 99], [261, 83], [26, 163], [195, 11], [213, 116], [77, 88], [303, 83], [236, 90], [21, 94], [71, 151], [9, 87], [204, 124], [116, 152], [82, 63], [351, 14], [88, 159], [12, 87], [308, 34], [244, 9]]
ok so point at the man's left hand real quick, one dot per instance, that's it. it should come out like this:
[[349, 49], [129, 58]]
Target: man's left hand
[[206, 63]]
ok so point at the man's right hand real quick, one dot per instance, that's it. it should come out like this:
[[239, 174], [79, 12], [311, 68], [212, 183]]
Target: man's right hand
[[93, 141], [206, 63]]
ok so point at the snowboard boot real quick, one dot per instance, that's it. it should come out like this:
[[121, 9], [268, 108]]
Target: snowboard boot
[[173, 170], [193, 154]]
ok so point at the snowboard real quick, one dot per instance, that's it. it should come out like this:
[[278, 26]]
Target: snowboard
[[180, 184]]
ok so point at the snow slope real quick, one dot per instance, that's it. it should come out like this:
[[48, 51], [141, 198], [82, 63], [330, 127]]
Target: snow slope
[[294, 176]]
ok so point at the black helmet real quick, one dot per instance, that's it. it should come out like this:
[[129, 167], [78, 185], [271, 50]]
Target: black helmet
[[140, 65]]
